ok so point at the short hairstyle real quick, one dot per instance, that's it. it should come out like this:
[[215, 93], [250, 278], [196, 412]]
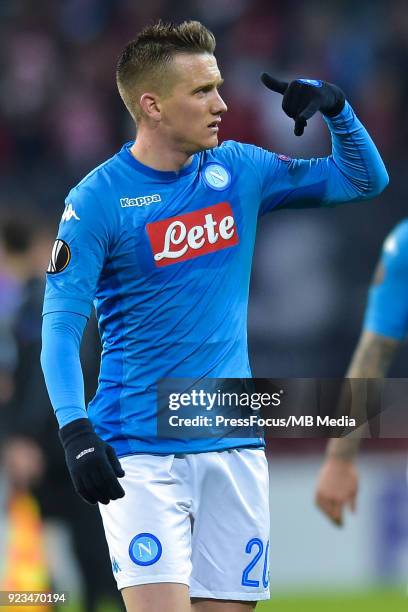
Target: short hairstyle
[[144, 60]]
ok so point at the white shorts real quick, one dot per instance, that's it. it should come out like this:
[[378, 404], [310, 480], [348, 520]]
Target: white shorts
[[198, 519]]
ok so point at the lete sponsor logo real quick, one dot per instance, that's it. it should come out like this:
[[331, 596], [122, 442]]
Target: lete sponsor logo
[[193, 234]]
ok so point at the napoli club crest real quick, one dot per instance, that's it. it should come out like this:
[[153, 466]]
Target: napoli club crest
[[145, 549], [216, 176]]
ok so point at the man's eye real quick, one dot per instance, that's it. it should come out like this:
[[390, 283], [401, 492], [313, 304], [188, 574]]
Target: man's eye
[[208, 89]]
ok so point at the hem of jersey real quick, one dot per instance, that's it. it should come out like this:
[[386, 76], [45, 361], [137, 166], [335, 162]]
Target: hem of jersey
[[76, 306], [379, 329], [129, 582], [189, 451], [231, 595]]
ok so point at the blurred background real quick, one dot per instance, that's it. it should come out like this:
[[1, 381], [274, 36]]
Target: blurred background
[[60, 115]]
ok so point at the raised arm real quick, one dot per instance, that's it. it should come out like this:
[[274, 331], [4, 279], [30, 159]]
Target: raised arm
[[354, 170]]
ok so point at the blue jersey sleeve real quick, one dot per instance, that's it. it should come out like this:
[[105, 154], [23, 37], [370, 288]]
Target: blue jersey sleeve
[[78, 253], [354, 171], [387, 309], [61, 335]]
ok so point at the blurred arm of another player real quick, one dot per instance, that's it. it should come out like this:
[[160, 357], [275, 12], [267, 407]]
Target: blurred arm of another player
[[385, 326]]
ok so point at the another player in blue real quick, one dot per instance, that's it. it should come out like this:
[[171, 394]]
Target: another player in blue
[[160, 238], [385, 327]]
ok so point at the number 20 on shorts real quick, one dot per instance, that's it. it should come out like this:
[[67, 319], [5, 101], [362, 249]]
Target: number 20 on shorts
[[256, 545]]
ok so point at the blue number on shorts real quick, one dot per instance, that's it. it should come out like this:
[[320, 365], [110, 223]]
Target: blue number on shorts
[[245, 579], [265, 573]]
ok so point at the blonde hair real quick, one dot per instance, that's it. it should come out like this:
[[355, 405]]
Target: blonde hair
[[144, 60]]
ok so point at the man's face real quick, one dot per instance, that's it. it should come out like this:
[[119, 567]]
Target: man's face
[[191, 112]]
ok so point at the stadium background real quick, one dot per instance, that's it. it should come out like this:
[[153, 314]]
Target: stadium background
[[60, 116]]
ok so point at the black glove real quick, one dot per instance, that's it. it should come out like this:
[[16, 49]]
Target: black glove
[[302, 98], [92, 464]]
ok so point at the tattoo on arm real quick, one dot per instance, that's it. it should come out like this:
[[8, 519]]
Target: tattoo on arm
[[373, 356], [372, 359]]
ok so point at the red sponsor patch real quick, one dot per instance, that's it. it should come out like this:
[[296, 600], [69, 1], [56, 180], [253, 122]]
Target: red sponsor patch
[[284, 158], [193, 234]]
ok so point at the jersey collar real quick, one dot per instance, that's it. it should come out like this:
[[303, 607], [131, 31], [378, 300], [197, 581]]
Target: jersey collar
[[160, 175]]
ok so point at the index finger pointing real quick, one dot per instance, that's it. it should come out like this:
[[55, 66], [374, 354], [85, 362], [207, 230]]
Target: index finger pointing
[[274, 84]]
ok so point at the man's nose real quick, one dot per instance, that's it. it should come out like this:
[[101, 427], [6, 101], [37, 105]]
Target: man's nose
[[219, 106]]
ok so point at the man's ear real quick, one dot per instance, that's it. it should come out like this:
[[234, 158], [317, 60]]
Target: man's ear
[[151, 107]]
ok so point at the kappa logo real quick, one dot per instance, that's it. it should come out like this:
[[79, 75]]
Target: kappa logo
[[193, 234], [140, 201], [69, 213]]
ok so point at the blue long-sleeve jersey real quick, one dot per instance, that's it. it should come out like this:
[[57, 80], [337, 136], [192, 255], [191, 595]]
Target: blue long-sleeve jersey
[[166, 259]]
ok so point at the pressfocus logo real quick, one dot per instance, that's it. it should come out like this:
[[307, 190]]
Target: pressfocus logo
[[296, 407]]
